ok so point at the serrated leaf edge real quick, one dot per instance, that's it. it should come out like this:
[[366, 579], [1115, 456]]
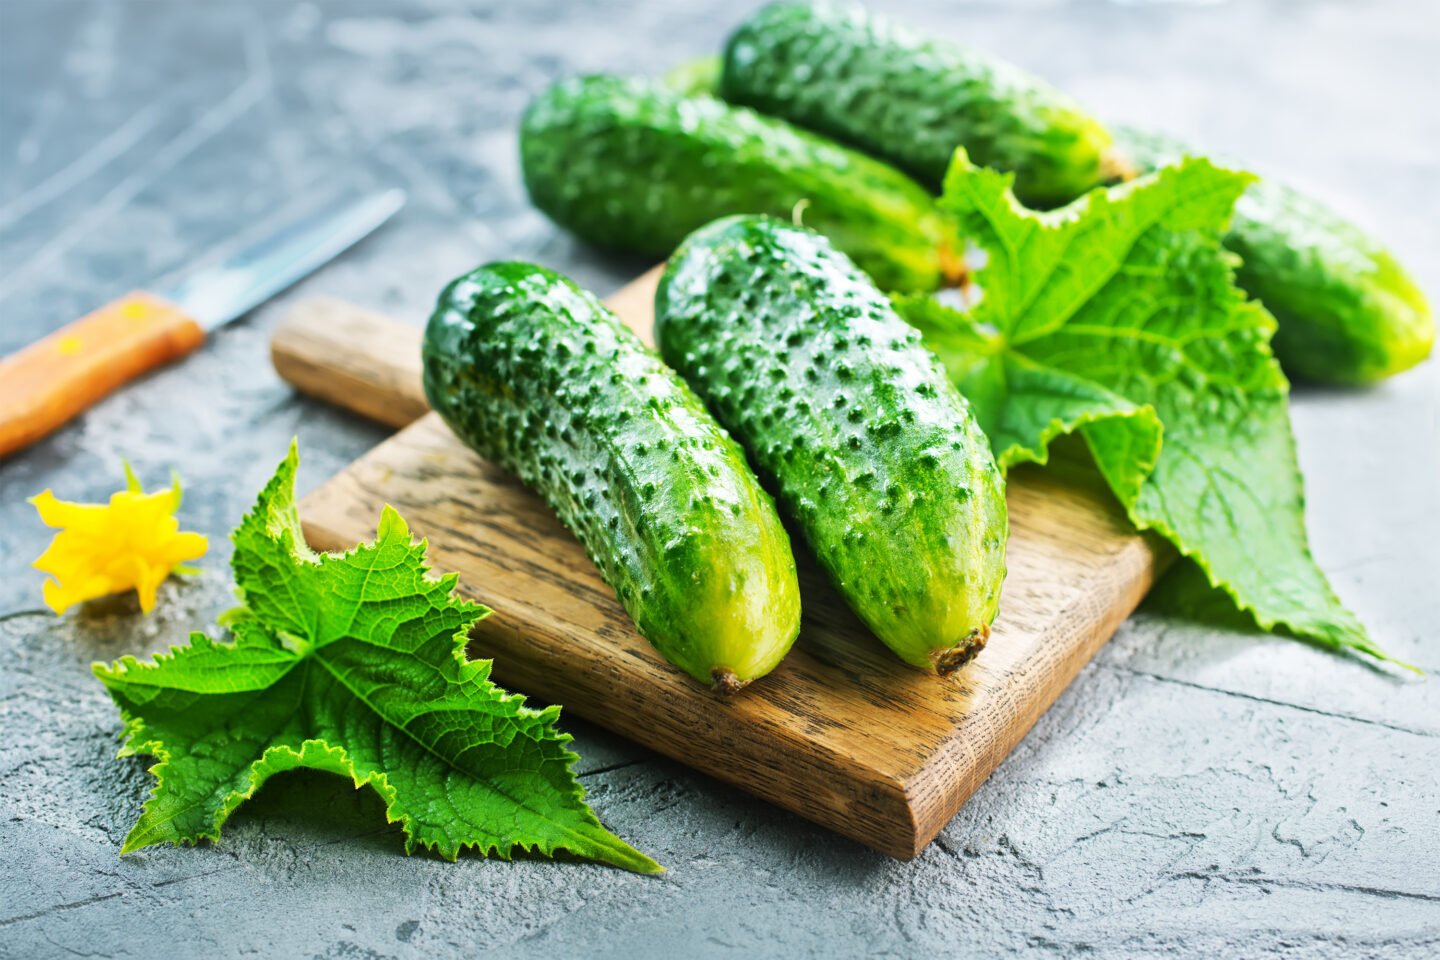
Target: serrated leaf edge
[[603, 846], [1340, 639]]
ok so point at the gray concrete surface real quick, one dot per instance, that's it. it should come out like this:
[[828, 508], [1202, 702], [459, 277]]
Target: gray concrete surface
[[1200, 791]]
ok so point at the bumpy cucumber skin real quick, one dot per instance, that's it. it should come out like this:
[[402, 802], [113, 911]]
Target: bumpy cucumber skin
[[634, 166], [911, 101], [539, 377], [851, 422], [1348, 313]]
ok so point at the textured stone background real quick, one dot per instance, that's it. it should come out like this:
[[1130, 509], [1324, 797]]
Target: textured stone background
[[1200, 791]]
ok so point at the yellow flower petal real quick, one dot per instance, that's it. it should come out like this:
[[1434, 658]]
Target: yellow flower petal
[[133, 542], [56, 598], [147, 581], [186, 546], [60, 513]]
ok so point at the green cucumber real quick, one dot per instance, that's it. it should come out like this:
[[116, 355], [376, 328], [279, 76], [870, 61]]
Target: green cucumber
[[851, 422], [634, 166], [539, 377], [912, 101], [695, 78], [1348, 313]]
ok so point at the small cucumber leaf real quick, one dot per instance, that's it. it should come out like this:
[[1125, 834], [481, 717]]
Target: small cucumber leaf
[[353, 664]]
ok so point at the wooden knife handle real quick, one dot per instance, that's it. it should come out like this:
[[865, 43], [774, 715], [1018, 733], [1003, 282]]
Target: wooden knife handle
[[362, 361], [44, 385]]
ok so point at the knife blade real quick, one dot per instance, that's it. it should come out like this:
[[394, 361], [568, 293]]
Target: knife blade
[[49, 382]]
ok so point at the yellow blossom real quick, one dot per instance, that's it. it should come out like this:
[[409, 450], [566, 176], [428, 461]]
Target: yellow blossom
[[133, 542]]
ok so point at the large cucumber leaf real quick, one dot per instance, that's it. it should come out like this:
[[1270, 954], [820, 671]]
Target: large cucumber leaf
[[1117, 318]]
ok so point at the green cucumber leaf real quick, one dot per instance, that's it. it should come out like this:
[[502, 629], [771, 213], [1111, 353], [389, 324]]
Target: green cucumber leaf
[[1117, 318], [354, 664]]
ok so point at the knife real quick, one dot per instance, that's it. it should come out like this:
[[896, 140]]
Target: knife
[[46, 384]]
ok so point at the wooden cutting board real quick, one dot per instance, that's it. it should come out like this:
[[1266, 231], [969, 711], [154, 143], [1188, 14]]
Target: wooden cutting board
[[841, 733]]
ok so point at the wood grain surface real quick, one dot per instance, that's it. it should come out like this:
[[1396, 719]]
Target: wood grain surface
[[842, 732]]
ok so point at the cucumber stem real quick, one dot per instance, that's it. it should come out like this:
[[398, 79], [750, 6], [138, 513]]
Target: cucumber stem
[[954, 271], [1116, 166], [726, 683], [948, 661]]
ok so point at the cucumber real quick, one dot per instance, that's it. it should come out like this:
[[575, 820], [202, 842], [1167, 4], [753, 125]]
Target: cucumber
[[1347, 311], [539, 377], [695, 78], [912, 101], [851, 422], [634, 166]]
